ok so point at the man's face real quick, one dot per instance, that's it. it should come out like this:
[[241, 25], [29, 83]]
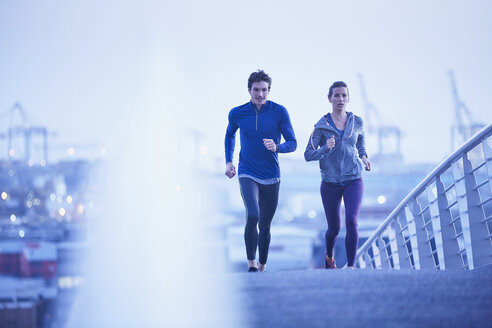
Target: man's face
[[339, 98], [259, 93]]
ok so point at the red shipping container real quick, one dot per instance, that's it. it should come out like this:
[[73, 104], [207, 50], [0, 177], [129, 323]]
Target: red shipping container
[[38, 260]]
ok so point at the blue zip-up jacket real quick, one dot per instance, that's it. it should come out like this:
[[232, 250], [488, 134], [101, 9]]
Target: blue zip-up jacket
[[270, 122], [340, 163]]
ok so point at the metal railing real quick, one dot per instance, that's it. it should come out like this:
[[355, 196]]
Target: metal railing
[[444, 222]]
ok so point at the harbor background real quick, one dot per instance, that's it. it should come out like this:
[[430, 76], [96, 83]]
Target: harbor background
[[143, 89]]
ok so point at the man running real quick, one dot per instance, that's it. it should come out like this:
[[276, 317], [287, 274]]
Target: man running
[[261, 123]]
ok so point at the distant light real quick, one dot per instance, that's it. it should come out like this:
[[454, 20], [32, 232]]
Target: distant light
[[70, 151], [43, 163], [178, 188], [61, 211], [434, 191], [203, 150], [70, 282], [59, 199], [13, 218], [22, 233], [36, 201], [104, 151], [69, 199], [28, 204], [312, 214], [11, 152], [52, 197], [80, 208], [289, 217], [11, 172], [381, 199], [4, 195], [30, 163]]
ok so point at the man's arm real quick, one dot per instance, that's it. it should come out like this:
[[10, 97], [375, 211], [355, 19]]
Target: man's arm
[[229, 144], [287, 131]]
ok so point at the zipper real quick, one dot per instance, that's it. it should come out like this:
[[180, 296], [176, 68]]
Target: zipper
[[256, 119], [332, 129]]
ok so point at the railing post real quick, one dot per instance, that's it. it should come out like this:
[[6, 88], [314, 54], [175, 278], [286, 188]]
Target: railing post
[[362, 263], [449, 245], [403, 255], [425, 258], [383, 254], [487, 154], [393, 246], [479, 236], [368, 261], [377, 255]]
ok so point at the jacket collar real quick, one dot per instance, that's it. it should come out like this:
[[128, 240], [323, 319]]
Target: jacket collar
[[323, 124]]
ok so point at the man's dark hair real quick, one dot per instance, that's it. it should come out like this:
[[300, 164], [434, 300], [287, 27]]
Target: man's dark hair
[[337, 84], [259, 76]]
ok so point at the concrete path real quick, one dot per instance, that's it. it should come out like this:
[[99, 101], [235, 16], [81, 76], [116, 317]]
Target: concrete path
[[367, 298]]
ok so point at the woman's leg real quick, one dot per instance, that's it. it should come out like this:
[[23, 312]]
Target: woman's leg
[[331, 197], [352, 198], [249, 193], [268, 201]]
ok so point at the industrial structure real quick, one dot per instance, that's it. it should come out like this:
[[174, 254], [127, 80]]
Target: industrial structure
[[464, 125], [388, 136], [20, 137]]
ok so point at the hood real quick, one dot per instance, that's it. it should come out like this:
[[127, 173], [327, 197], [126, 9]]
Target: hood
[[323, 123]]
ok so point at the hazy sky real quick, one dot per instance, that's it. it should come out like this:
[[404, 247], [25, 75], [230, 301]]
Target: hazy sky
[[88, 69]]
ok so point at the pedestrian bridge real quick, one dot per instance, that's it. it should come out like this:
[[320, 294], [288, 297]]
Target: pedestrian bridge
[[432, 255]]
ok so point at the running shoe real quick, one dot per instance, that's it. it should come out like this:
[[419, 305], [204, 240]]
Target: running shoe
[[252, 269], [330, 263]]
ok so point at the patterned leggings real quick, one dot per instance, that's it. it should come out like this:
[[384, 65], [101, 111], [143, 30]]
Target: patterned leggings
[[261, 203]]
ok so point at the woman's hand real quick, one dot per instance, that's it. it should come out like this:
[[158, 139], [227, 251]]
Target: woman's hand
[[330, 143], [366, 162]]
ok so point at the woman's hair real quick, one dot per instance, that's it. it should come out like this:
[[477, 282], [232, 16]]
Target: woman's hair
[[337, 84], [259, 76]]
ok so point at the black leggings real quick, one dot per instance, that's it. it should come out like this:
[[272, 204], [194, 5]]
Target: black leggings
[[261, 202]]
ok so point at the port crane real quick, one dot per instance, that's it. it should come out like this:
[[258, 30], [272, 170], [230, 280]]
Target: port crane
[[26, 133], [388, 136], [464, 125]]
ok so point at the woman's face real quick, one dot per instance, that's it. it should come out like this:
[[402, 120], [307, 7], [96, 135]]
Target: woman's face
[[339, 99]]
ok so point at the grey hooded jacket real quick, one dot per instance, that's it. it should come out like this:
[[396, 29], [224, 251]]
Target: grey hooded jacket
[[340, 163]]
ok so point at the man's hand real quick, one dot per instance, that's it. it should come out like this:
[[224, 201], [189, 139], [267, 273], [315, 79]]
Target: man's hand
[[330, 143], [366, 162], [270, 145], [230, 170]]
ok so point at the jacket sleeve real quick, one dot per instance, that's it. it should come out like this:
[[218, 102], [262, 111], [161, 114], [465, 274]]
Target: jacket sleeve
[[314, 150], [361, 142], [287, 131], [230, 138]]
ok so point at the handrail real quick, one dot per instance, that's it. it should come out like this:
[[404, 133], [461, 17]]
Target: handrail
[[414, 230]]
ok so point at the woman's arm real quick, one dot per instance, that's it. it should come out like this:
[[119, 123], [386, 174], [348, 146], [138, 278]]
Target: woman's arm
[[316, 148]]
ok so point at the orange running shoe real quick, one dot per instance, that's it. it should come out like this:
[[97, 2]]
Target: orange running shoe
[[329, 263]]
